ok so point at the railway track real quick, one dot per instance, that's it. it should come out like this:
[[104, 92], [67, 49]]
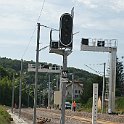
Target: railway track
[[50, 116]]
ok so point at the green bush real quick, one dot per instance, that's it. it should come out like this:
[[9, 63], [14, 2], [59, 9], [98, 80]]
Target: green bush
[[4, 116], [87, 107], [120, 104]]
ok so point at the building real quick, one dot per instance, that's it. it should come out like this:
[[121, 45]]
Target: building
[[77, 90]]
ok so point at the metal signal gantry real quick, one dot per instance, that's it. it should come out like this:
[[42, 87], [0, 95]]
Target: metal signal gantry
[[50, 69], [105, 46]]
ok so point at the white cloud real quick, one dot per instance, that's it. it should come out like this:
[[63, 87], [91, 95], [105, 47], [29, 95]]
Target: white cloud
[[92, 17], [12, 22], [101, 17], [88, 3], [103, 24], [117, 5]]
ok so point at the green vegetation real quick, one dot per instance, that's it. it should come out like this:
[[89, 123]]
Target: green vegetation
[[4, 116], [10, 68], [119, 78], [120, 105], [87, 107]]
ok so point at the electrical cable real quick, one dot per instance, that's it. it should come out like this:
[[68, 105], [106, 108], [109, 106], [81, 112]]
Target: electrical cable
[[97, 64], [41, 11], [93, 69], [28, 43], [33, 31]]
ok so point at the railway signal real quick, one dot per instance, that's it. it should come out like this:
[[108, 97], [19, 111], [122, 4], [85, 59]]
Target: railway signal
[[66, 30], [65, 41]]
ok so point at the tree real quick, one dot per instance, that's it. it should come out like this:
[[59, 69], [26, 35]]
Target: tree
[[3, 72], [8, 67], [5, 91], [99, 80], [87, 92], [119, 78], [88, 89]]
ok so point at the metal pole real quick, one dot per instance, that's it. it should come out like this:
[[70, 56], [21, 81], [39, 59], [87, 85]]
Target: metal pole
[[57, 85], [20, 90], [40, 100], [103, 89], [49, 92], [62, 121], [60, 80], [40, 96], [28, 94], [36, 74], [112, 81], [72, 90], [13, 89]]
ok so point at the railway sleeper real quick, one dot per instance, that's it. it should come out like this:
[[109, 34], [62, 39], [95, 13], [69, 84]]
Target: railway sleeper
[[42, 120]]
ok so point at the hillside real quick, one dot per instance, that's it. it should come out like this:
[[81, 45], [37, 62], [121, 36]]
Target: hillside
[[14, 65], [9, 67]]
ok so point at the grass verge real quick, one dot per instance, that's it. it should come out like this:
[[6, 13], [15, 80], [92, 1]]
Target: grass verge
[[119, 105], [4, 116]]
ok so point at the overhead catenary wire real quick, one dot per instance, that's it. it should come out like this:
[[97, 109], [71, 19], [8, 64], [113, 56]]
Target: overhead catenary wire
[[93, 69], [96, 64], [28, 43], [33, 31], [50, 28], [41, 11]]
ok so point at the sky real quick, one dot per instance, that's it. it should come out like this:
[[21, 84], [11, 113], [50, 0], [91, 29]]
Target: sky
[[95, 19]]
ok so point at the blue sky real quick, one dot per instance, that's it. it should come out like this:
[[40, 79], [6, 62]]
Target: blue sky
[[92, 18]]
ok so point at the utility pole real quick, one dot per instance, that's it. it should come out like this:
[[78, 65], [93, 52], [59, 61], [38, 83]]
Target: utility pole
[[40, 98], [28, 93], [72, 89], [20, 89], [57, 83], [63, 89], [13, 89], [49, 92], [103, 89], [36, 73]]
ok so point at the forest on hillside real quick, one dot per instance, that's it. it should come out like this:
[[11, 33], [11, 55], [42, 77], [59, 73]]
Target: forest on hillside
[[10, 72]]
